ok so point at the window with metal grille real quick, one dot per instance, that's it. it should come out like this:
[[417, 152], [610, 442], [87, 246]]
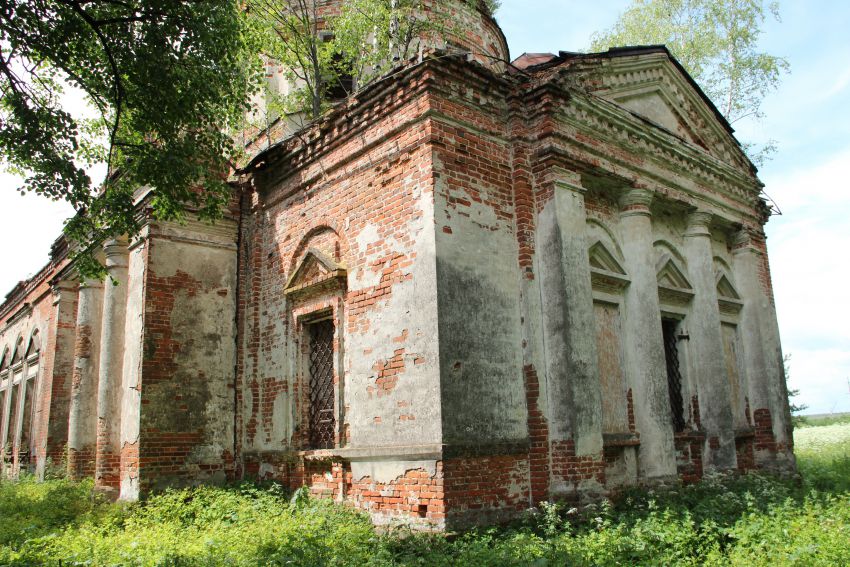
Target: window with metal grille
[[322, 420], [674, 375]]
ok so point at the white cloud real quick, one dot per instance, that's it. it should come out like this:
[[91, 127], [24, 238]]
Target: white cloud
[[808, 249], [821, 377]]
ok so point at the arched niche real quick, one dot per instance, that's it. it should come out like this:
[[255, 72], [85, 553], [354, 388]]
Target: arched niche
[[674, 286], [728, 299], [18, 352]]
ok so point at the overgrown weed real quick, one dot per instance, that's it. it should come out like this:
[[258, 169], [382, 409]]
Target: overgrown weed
[[724, 520]]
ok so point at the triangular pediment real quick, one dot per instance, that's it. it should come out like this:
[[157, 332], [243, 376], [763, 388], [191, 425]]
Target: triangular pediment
[[726, 290], [656, 106], [670, 276], [602, 259], [649, 83], [315, 269]]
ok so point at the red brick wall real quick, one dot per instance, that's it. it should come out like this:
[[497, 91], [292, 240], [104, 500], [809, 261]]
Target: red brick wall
[[689, 447], [30, 308], [186, 410], [481, 490], [744, 449], [415, 497], [353, 180]]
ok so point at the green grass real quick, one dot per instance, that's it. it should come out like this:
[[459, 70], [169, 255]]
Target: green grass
[[752, 520], [822, 420]]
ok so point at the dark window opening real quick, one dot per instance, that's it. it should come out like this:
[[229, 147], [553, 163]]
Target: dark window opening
[[322, 420], [26, 422], [5, 397], [12, 428], [674, 375], [341, 83]]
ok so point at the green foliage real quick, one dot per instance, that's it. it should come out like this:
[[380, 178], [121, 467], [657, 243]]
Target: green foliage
[[793, 407], [716, 41], [371, 36], [30, 509], [490, 6], [724, 520], [323, 54], [166, 77]]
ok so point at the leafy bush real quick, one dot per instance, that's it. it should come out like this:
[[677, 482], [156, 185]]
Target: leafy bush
[[724, 520]]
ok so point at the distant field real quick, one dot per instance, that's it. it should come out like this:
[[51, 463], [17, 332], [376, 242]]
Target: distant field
[[747, 521], [824, 419]]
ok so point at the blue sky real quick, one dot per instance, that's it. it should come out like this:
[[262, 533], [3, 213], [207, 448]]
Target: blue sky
[[809, 178]]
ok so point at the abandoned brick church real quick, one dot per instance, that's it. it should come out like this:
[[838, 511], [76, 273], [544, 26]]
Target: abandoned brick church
[[472, 286]]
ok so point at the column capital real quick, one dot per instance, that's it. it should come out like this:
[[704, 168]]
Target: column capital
[[63, 290], [116, 253], [568, 180], [636, 202], [744, 240], [90, 283], [699, 223]]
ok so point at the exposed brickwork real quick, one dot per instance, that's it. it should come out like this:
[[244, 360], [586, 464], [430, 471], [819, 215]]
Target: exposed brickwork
[[415, 498], [538, 434], [575, 470], [524, 203], [689, 446], [485, 489], [759, 240], [82, 463], [163, 450], [695, 417], [745, 452], [58, 373], [428, 191], [764, 438], [388, 371], [31, 310], [184, 357]]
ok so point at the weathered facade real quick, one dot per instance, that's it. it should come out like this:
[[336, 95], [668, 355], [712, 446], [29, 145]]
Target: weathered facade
[[471, 287]]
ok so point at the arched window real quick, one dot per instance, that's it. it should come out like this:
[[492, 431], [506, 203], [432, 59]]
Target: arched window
[[28, 389], [5, 398], [13, 398], [18, 353]]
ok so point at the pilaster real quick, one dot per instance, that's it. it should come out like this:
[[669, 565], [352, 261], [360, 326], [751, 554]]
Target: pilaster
[[82, 419], [706, 346], [762, 355], [107, 458], [646, 368], [572, 373], [54, 384]]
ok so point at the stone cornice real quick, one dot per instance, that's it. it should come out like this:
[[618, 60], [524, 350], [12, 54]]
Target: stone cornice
[[625, 74], [679, 163], [361, 111]]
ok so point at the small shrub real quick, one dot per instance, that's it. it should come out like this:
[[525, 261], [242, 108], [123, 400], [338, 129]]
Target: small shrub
[[724, 520]]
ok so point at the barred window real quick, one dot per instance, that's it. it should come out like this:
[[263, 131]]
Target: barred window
[[670, 329], [322, 424]]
